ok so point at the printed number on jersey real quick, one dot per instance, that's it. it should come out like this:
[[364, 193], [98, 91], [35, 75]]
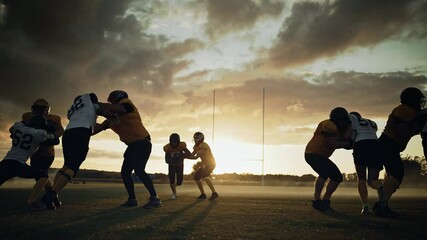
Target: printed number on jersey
[[78, 103], [22, 140]]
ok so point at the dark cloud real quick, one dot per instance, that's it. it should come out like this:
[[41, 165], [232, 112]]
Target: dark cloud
[[57, 50], [321, 29], [225, 16]]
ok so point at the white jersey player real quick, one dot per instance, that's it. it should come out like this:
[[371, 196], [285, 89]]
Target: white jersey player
[[365, 154], [82, 117], [26, 140]]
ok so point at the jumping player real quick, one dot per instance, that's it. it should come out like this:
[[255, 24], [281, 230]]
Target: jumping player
[[26, 138], [45, 155], [402, 125], [366, 156], [330, 134], [75, 141], [202, 150], [129, 127], [175, 152]]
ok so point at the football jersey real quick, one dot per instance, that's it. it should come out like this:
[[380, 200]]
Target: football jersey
[[393, 128], [319, 142], [175, 153], [129, 126], [82, 113], [204, 152], [46, 150], [25, 142], [363, 128]]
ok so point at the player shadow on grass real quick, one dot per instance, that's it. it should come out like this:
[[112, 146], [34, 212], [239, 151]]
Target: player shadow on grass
[[184, 226]]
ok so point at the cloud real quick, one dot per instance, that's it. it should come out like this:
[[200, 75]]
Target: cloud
[[226, 16], [323, 29]]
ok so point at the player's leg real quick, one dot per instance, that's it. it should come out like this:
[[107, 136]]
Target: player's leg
[[198, 178], [362, 188], [335, 178], [316, 163], [206, 176], [7, 170], [43, 163], [179, 175], [171, 174]]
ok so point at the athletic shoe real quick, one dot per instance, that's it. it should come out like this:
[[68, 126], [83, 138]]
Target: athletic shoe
[[131, 202], [385, 212], [56, 201], [318, 205], [365, 210], [214, 195], [327, 205], [173, 196], [153, 203], [47, 200], [202, 196]]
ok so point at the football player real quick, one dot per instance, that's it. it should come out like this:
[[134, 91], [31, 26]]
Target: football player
[[75, 142], [330, 134], [202, 150], [401, 126], [366, 156], [175, 152], [26, 139], [45, 155], [128, 125]]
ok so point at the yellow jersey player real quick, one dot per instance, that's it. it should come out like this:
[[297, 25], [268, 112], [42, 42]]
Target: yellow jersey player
[[401, 126], [129, 127], [175, 152], [203, 151], [26, 139], [45, 155], [330, 134]]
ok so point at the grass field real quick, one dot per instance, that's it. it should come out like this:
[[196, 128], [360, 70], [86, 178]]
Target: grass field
[[92, 211]]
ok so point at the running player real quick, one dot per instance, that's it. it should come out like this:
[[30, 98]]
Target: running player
[[26, 138], [402, 125], [202, 150], [175, 152], [45, 155], [366, 156], [330, 134], [75, 142], [129, 127]]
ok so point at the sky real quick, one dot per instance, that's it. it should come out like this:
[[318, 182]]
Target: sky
[[202, 66]]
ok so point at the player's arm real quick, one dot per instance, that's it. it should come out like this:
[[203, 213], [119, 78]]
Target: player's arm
[[99, 127], [54, 123], [120, 108], [336, 141], [186, 153]]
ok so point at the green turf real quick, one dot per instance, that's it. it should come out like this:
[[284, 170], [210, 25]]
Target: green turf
[[91, 211]]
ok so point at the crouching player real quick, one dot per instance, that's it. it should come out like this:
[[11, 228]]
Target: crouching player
[[26, 139]]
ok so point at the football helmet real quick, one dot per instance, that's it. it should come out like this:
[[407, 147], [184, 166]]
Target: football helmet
[[339, 114], [198, 137], [356, 114], [117, 95], [38, 121], [40, 106], [413, 97], [174, 137]]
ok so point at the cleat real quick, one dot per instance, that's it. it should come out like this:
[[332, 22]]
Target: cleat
[[202, 196], [173, 196], [48, 199], [132, 202], [153, 203], [327, 207], [214, 195], [365, 210], [385, 212], [318, 205], [56, 201]]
